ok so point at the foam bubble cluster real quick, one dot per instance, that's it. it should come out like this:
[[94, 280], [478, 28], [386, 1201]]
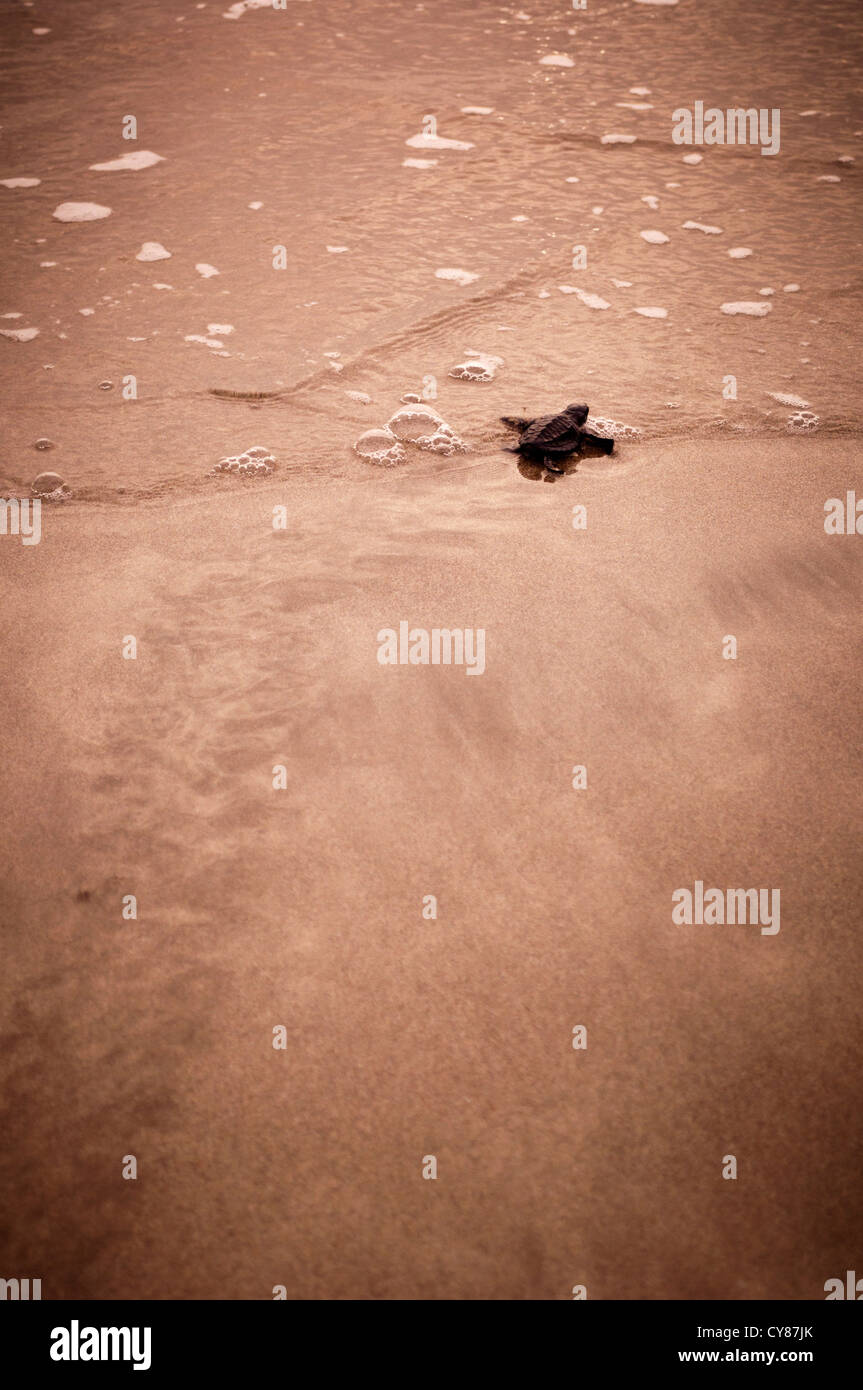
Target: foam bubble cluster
[[138, 159], [802, 422], [754, 308], [252, 462], [380, 446], [422, 426], [417, 425], [80, 212], [426, 141], [477, 366], [50, 488], [613, 428], [153, 251], [591, 301], [459, 277], [236, 11]]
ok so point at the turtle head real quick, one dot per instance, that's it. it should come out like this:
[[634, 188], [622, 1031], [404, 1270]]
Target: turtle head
[[577, 413]]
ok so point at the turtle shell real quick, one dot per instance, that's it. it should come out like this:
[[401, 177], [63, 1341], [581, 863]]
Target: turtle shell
[[557, 431]]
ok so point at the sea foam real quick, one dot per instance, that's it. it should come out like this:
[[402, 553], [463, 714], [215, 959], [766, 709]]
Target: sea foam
[[80, 212], [136, 159]]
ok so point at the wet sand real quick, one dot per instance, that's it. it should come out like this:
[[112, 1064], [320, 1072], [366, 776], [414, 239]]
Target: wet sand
[[303, 907]]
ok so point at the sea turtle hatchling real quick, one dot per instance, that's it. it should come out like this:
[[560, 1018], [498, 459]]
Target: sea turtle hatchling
[[549, 439]]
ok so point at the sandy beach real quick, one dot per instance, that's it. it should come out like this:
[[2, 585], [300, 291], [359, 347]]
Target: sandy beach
[[302, 907]]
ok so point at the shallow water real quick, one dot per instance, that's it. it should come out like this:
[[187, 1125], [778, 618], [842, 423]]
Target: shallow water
[[308, 112]]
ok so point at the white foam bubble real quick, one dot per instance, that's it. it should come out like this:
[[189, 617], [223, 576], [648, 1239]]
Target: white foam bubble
[[208, 342], [136, 159], [153, 251], [86, 312], [652, 312], [20, 335], [617, 139], [12, 315], [572, 179], [50, 487], [592, 301], [477, 110], [80, 212], [255, 207], [653, 237], [828, 178], [702, 227], [656, 2], [692, 158], [419, 163], [790, 289], [425, 141], [219, 330], [739, 253], [635, 105], [251, 462], [621, 284], [380, 446], [20, 183], [422, 426], [786, 398], [239, 9], [362, 397], [557, 60], [751, 307], [337, 250], [651, 200], [766, 291], [802, 422], [460, 277], [640, 91], [477, 366], [206, 270], [614, 429]]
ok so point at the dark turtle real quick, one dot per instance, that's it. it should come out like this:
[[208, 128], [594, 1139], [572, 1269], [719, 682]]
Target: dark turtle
[[551, 438]]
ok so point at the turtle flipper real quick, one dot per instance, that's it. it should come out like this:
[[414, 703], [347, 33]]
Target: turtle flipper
[[599, 441], [515, 422], [550, 463]]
